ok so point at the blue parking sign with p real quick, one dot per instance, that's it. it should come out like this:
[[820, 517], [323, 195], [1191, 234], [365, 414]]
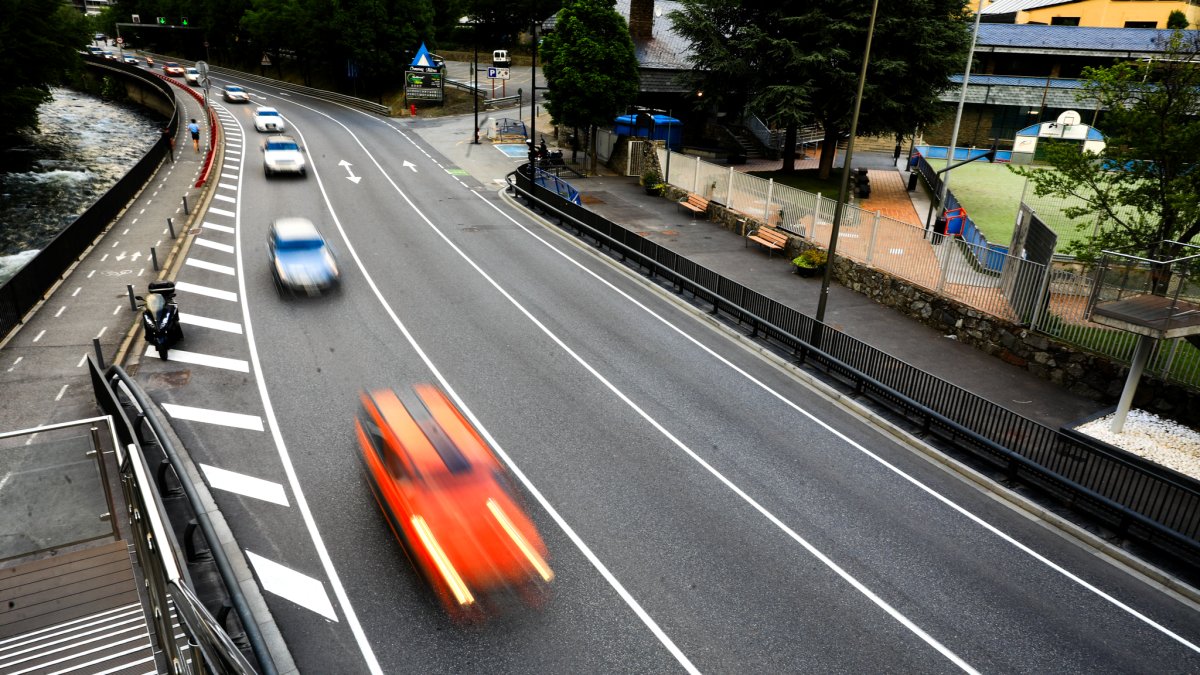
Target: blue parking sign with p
[[492, 72]]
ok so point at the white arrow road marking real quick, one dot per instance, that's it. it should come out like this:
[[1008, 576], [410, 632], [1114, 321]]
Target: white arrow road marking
[[292, 585], [122, 256], [206, 322], [352, 178], [246, 486], [135, 256], [209, 416], [182, 356], [410, 165]]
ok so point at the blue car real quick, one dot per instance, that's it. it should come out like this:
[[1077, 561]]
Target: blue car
[[301, 261]]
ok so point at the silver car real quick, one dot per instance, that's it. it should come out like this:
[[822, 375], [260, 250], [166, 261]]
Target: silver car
[[235, 94], [282, 154]]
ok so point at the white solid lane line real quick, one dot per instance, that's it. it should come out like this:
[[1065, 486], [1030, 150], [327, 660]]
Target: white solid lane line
[[209, 416], [205, 291], [292, 585], [212, 267], [206, 322], [247, 486], [198, 359], [310, 523]]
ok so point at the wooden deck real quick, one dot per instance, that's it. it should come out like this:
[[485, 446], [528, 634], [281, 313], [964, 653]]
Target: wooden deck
[[76, 611], [1152, 315]]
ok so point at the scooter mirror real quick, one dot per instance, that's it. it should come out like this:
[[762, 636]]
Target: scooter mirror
[[138, 297]]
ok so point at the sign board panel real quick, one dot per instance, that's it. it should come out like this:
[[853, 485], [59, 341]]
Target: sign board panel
[[498, 73], [425, 83]]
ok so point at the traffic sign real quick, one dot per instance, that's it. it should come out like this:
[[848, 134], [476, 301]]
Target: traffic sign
[[120, 41], [497, 73]]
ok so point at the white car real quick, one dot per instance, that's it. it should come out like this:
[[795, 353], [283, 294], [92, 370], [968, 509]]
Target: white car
[[268, 119], [282, 154], [191, 75], [235, 94]]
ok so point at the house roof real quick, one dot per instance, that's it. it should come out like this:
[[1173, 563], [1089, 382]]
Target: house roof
[[1009, 6], [1050, 39]]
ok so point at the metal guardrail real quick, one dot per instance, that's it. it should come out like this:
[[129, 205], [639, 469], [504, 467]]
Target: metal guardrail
[[26, 288], [166, 577], [352, 101], [1135, 498]]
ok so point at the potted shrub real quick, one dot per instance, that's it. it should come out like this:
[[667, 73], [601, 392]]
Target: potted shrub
[[652, 181], [809, 262]]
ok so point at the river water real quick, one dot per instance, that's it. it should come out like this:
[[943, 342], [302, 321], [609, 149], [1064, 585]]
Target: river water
[[84, 147]]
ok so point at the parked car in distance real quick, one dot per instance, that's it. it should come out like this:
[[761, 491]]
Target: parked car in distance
[[235, 94], [172, 68], [282, 154], [268, 119], [301, 261], [448, 500], [191, 75]]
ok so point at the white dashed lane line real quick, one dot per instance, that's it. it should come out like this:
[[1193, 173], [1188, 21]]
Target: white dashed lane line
[[292, 585], [222, 212], [196, 358], [205, 291], [246, 486], [216, 246], [209, 416], [218, 228]]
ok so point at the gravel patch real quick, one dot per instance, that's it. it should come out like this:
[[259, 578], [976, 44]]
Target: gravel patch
[[1147, 435]]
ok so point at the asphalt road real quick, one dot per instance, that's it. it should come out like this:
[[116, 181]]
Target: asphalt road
[[704, 509]]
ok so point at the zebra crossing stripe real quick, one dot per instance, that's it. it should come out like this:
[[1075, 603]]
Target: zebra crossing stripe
[[209, 416], [244, 485], [289, 584], [206, 291], [199, 359]]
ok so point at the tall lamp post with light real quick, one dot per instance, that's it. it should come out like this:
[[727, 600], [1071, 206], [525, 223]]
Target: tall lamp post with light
[[844, 188], [475, 76]]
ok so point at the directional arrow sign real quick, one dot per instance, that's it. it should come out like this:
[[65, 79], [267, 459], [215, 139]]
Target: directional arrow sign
[[352, 178], [135, 256], [410, 165], [122, 256]]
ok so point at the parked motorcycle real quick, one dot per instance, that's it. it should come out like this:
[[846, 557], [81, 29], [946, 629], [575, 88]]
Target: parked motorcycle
[[160, 317]]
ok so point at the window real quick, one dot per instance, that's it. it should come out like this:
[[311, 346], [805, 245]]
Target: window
[[1141, 24], [1064, 21]]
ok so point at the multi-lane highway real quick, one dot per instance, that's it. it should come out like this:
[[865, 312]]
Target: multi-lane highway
[[704, 509]]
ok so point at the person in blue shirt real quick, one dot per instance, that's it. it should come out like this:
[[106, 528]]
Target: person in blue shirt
[[195, 131]]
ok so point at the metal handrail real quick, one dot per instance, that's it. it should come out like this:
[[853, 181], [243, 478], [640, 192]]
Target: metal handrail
[[148, 412]]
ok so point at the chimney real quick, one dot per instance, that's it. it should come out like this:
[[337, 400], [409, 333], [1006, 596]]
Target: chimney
[[641, 19]]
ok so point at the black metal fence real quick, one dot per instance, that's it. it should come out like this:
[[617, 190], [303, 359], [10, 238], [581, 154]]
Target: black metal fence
[[24, 290], [1135, 498]]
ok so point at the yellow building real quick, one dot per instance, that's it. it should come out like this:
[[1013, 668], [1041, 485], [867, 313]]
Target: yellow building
[[1094, 13]]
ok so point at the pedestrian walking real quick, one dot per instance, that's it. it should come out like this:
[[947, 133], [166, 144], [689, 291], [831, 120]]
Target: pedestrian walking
[[896, 155], [166, 132], [194, 128]]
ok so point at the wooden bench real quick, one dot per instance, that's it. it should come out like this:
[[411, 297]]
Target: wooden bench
[[771, 238], [694, 203]]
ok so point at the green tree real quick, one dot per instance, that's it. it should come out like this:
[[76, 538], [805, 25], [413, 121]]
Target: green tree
[[39, 43], [1177, 20], [1144, 185], [590, 66], [797, 62]]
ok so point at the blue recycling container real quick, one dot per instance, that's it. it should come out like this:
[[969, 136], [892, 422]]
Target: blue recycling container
[[665, 128]]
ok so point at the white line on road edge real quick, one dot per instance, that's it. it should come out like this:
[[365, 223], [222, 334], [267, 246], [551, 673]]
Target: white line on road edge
[[289, 584], [587, 552], [199, 359], [206, 322], [209, 416], [310, 523], [242, 484]]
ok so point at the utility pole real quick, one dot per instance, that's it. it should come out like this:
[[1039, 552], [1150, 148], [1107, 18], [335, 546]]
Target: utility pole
[[533, 105], [475, 73]]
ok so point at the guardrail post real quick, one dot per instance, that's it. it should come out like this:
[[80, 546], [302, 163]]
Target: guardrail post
[[154, 258], [171, 226], [186, 212], [871, 244], [132, 298]]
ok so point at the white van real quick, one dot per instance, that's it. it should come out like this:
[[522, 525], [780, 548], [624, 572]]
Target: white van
[[500, 59]]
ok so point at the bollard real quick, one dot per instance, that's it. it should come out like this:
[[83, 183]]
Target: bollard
[[99, 354], [132, 298], [171, 227], [154, 258], [186, 212]]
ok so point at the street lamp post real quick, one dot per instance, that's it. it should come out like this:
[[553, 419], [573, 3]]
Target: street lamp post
[[475, 74], [844, 189], [533, 105], [962, 99]]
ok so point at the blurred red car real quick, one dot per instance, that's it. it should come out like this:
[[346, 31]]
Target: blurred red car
[[172, 68], [445, 497]]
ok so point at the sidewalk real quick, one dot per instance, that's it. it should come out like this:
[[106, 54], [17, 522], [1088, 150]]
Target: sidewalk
[[622, 200]]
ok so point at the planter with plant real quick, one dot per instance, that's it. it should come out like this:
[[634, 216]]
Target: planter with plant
[[652, 181], [809, 262]]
